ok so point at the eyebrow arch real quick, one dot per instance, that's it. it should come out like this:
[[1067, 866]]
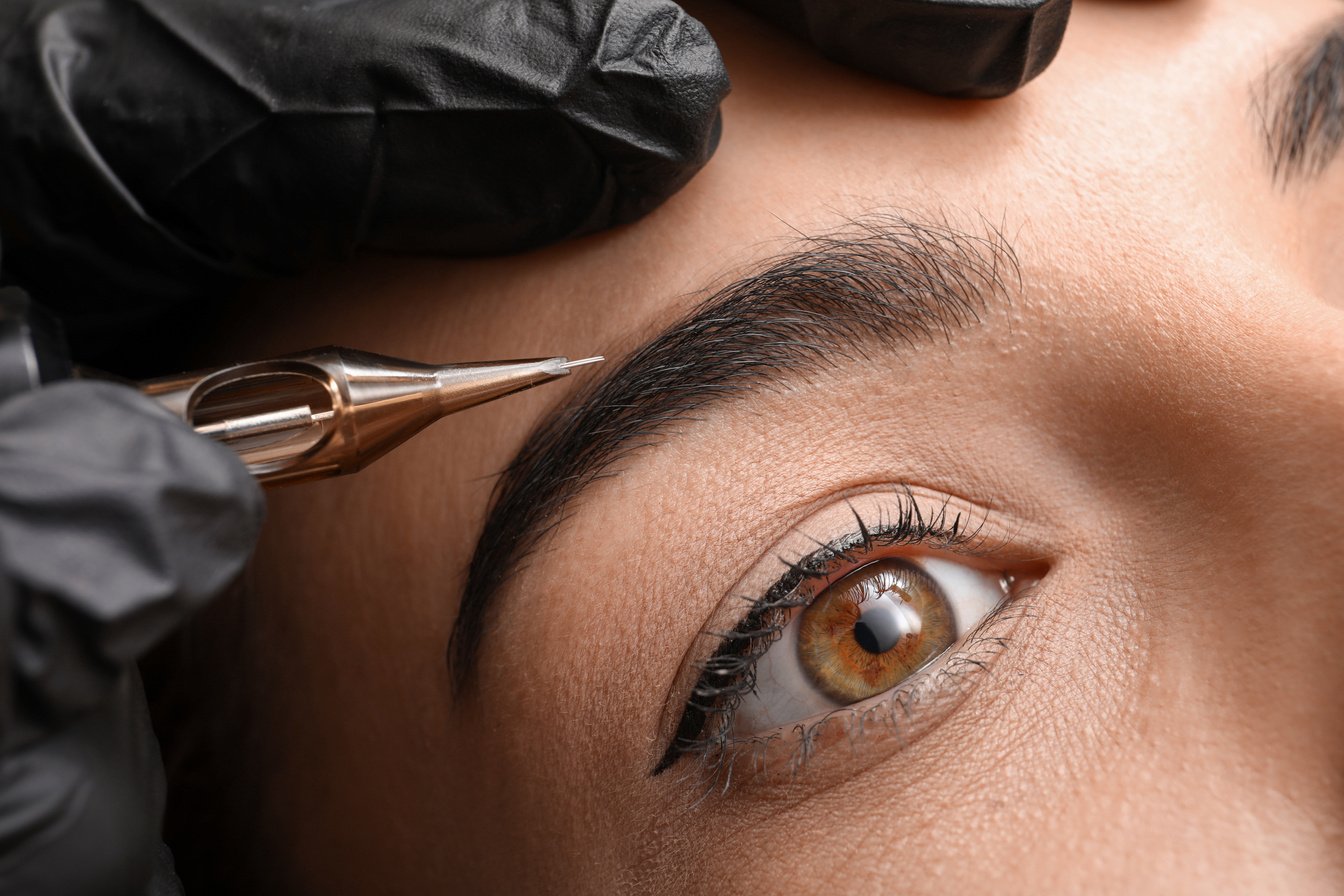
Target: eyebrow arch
[[1301, 106], [882, 281]]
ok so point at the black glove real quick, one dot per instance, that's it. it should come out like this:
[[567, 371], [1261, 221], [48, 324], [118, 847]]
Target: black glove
[[157, 151], [115, 522], [964, 48]]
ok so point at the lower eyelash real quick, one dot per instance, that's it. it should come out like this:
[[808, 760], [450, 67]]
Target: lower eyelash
[[906, 713]]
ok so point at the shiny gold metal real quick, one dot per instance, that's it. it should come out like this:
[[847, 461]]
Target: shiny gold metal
[[331, 411]]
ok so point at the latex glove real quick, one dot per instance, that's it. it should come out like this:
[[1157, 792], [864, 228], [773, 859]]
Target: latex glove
[[115, 522], [157, 151]]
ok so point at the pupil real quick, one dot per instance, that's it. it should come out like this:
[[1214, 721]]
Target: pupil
[[882, 624], [867, 638]]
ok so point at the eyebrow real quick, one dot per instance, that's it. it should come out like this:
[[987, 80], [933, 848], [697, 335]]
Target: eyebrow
[[1301, 106], [884, 282]]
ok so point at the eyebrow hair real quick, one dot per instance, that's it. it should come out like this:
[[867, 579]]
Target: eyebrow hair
[[883, 281], [1301, 106]]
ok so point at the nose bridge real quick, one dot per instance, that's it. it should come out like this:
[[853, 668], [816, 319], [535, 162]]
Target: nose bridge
[[1247, 392], [1244, 565], [1306, 355], [1208, 395], [1274, 366]]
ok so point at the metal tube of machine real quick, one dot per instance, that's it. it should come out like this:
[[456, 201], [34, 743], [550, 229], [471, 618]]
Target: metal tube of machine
[[334, 410]]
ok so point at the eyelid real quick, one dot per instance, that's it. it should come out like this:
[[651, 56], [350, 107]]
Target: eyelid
[[990, 539], [784, 696], [981, 538], [909, 711]]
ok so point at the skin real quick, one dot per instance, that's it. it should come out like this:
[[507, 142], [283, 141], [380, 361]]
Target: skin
[[1154, 421]]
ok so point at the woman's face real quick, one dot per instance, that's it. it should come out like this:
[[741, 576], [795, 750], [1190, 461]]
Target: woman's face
[[1077, 353]]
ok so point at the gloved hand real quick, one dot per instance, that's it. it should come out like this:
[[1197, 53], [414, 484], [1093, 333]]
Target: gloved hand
[[966, 48], [115, 522], [158, 151]]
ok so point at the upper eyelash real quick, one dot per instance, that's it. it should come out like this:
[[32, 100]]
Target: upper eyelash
[[729, 673]]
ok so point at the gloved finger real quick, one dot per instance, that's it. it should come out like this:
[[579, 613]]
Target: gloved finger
[[965, 48], [81, 808], [154, 147], [115, 522]]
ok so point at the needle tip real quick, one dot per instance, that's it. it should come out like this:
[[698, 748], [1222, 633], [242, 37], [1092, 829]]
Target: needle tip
[[570, 365]]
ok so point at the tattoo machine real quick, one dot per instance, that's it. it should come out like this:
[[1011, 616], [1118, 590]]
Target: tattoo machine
[[300, 417]]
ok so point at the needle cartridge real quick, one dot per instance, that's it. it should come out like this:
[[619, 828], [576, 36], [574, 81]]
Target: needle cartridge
[[331, 411]]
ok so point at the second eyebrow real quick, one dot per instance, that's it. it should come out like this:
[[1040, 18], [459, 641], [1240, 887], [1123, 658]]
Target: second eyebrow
[[1301, 106], [884, 279]]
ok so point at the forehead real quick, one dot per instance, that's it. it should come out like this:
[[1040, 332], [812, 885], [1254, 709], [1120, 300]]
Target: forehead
[[1131, 172], [1137, 149]]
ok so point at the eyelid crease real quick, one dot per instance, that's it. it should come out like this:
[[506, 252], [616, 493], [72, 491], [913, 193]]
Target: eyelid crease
[[883, 279]]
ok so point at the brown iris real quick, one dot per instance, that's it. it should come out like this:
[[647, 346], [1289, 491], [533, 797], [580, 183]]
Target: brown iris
[[872, 629]]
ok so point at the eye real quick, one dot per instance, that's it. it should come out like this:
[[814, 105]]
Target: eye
[[863, 635], [876, 628]]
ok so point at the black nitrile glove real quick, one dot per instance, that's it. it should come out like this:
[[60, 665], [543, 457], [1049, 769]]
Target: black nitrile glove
[[158, 151], [966, 48], [115, 522]]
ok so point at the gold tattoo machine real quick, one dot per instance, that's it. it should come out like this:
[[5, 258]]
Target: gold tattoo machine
[[331, 410]]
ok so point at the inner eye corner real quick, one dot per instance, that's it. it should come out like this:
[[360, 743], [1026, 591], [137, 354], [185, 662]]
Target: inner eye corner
[[1022, 576]]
